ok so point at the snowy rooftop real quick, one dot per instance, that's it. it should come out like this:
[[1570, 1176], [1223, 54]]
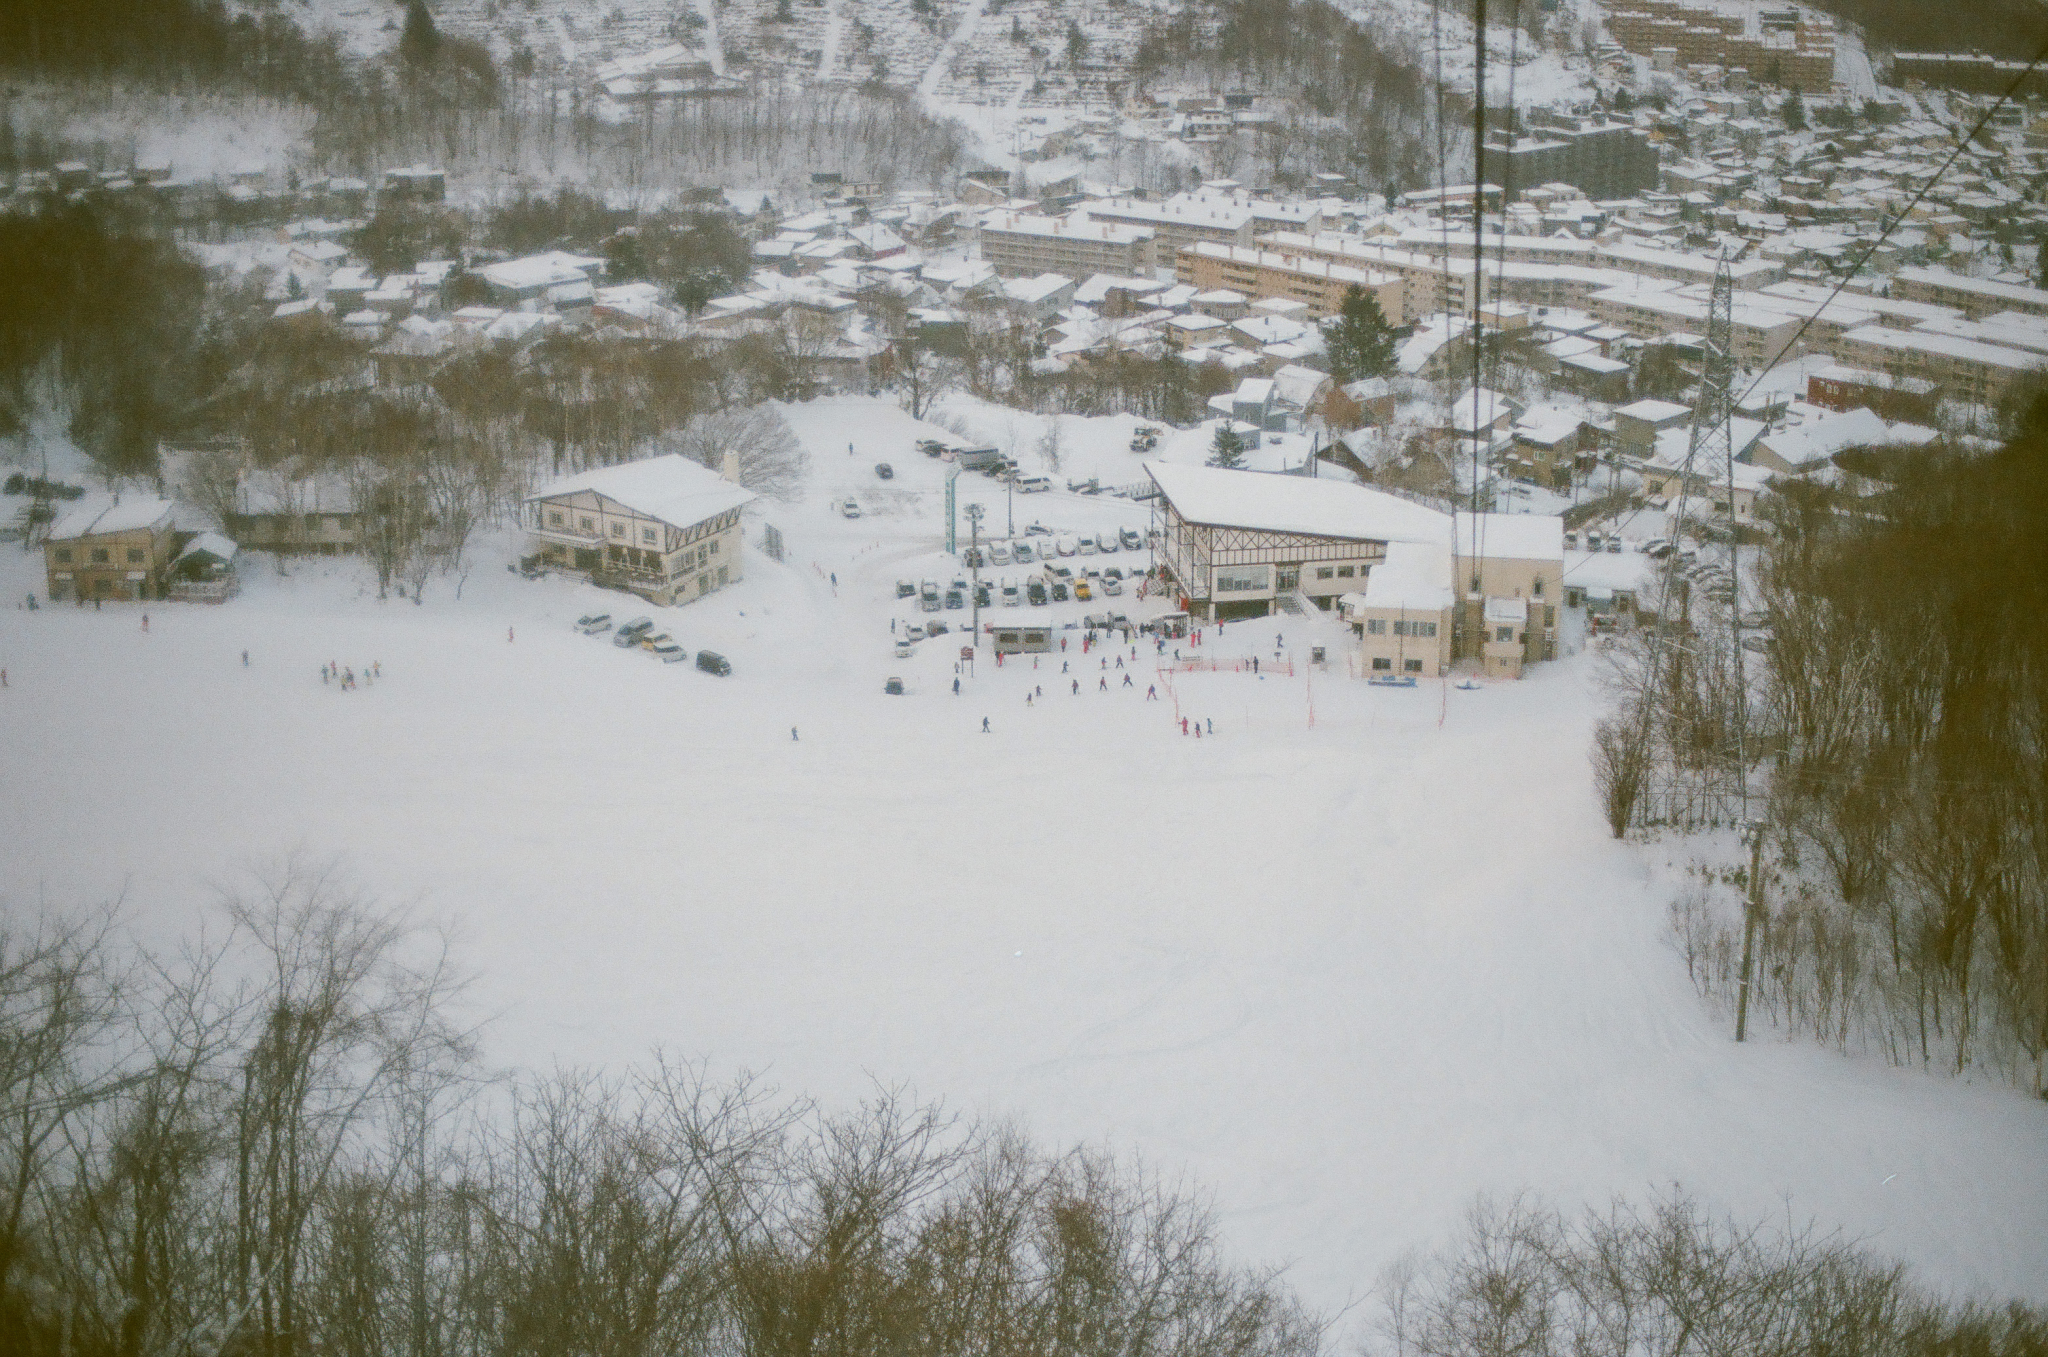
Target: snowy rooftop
[[96, 515], [1521, 537], [671, 488], [1414, 576], [1296, 504]]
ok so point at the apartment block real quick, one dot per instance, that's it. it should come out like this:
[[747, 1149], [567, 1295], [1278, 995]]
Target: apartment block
[[1024, 245]]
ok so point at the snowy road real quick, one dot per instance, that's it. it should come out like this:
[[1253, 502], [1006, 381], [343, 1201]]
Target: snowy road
[[1349, 975]]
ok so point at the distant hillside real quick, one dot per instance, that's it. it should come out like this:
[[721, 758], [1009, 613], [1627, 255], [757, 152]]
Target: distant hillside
[[2003, 28], [169, 43]]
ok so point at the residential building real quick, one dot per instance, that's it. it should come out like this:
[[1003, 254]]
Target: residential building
[[1022, 245], [1603, 160], [665, 528], [108, 548], [1509, 572], [1966, 369], [1974, 297], [1318, 283]]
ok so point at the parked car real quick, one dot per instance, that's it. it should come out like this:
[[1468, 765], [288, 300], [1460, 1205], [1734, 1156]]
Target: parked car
[[629, 633], [981, 595], [1035, 594], [1021, 553], [956, 598], [1037, 530], [905, 589], [590, 624], [974, 558], [1062, 573], [928, 596], [1032, 485], [1129, 539], [1059, 591], [936, 628], [711, 662], [668, 652], [885, 471], [903, 650], [849, 507], [649, 640], [893, 686], [1066, 546], [1010, 596], [1113, 573], [999, 554], [1086, 546], [1105, 542], [930, 447], [1081, 593], [1112, 587]]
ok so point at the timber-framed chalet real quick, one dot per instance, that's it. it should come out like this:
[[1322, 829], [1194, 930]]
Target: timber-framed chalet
[[1235, 542], [665, 528]]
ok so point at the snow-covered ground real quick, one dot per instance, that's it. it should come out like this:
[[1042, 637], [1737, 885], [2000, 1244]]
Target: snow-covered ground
[[1361, 953]]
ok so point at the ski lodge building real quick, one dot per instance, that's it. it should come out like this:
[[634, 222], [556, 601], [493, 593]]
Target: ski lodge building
[[665, 528], [1423, 590]]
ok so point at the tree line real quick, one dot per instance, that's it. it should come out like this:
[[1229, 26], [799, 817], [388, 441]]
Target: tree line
[[283, 1139], [1896, 737]]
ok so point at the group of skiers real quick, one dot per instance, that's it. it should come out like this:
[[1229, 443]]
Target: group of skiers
[[343, 676]]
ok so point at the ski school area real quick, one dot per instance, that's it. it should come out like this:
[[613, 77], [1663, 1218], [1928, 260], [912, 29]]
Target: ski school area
[[1352, 956]]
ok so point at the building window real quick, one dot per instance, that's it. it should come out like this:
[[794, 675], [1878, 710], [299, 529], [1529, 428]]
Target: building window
[[1324, 572], [647, 536], [1376, 625], [589, 524], [312, 522], [1415, 629], [618, 530], [1412, 666], [1382, 662], [1238, 579], [1538, 587], [135, 555], [714, 546], [721, 577], [1345, 572], [1503, 634], [99, 556], [63, 555], [554, 518]]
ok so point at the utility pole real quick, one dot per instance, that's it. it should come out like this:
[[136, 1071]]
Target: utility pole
[[1751, 908]]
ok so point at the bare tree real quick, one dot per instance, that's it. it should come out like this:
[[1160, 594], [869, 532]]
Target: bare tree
[[756, 443]]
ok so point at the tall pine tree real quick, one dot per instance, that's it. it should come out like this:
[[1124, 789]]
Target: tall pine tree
[[1227, 450], [1360, 342]]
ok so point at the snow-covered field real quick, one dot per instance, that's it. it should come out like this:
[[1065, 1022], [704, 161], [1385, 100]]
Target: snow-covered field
[[1354, 958]]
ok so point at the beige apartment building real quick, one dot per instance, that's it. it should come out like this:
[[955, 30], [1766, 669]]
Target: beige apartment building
[[666, 528], [1967, 369], [1024, 245], [1758, 337], [1318, 283], [1974, 297], [1175, 223]]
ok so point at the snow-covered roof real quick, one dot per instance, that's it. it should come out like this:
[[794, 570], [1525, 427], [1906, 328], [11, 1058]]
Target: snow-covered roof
[[671, 488], [209, 544], [1823, 438], [1295, 504], [1415, 576], [1521, 537], [98, 515]]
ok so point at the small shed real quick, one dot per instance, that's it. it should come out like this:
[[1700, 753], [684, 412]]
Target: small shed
[[204, 571], [1024, 638]]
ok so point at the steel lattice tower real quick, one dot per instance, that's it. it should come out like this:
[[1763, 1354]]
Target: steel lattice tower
[[1711, 449]]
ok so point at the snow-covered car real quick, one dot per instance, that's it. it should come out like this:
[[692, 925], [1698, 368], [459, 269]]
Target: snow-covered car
[[1037, 530], [1032, 485], [893, 686], [1130, 541], [590, 624], [1059, 591], [849, 508], [1067, 546], [982, 595], [1112, 587], [1105, 542], [883, 471], [1086, 546], [913, 633], [973, 558], [711, 662], [1112, 573], [629, 633], [1054, 570], [668, 652], [649, 640], [936, 629], [903, 650], [999, 553], [1035, 593], [1022, 553], [906, 589], [1010, 596], [956, 598], [930, 447]]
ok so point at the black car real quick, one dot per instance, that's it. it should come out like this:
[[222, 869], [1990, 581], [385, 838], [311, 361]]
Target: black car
[[884, 470], [1034, 593], [982, 596], [711, 662]]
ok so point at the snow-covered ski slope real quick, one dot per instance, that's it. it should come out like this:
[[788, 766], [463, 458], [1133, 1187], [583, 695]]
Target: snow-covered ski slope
[[1349, 974]]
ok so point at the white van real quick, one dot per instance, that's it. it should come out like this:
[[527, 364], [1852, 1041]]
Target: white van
[[1031, 485]]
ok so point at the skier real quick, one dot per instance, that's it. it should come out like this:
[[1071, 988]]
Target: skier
[[1183, 725], [508, 635], [984, 725], [835, 579], [1127, 681], [956, 687], [245, 659], [1077, 687], [1102, 684], [377, 668], [145, 621], [1255, 664], [1212, 725], [1063, 666], [1151, 692], [1063, 644], [1119, 661], [1040, 691], [3, 678], [323, 674], [792, 735]]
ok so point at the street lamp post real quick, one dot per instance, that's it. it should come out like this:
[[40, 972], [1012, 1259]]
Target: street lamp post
[[974, 512]]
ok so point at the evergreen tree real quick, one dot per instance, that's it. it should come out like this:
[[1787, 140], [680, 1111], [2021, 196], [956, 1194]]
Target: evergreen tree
[[1228, 449], [1360, 342], [1793, 111], [2041, 263], [1077, 43], [420, 42], [1624, 102]]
